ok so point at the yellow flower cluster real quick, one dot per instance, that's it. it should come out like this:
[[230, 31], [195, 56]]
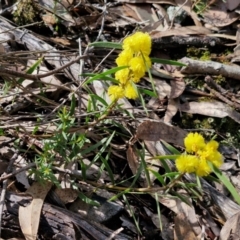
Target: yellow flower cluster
[[135, 55], [197, 154]]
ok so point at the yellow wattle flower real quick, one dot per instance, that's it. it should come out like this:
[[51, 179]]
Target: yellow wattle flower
[[187, 163], [203, 168], [135, 55], [130, 91], [115, 92], [194, 142], [124, 57], [213, 145], [138, 42], [137, 67], [123, 75], [201, 153]]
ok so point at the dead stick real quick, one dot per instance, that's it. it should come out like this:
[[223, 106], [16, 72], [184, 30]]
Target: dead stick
[[7, 72]]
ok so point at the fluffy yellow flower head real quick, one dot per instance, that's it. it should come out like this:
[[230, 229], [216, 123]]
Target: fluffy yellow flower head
[[131, 91], [194, 142], [211, 153], [187, 163], [135, 55], [124, 57], [201, 153], [138, 42], [115, 92], [203, 168], [122, 75], [138, 68]]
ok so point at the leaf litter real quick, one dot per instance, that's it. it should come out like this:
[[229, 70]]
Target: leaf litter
[[54, 120]]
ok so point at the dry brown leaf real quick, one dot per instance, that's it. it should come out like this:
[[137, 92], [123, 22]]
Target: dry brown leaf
[[163, 89], [141, 12], [182, 229], [231, 228], [226, 36], [154, 131], [67, 195], [59, 9], [182, 31], [172, 109], [49, 19], [61, 40], [213, 109], [177, 88], [129, 11], [132, 159], [219, 16], [29, 216], [182, 209]]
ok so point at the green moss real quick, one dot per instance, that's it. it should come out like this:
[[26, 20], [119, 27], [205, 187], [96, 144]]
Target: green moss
[[199, 53], [26, 12], [206, 56], [220, 79]]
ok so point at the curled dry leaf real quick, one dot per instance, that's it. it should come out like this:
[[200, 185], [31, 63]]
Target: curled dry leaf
[[183, 230], [154, 131], [140, 13], [213, 109], [29, 216], [66, 195], [172, 109], [181, 31], [183, 210], [231, 228], [177, 88], [219, 16], [132, 159]]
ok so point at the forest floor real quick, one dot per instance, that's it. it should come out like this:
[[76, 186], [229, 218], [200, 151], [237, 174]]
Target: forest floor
[[78, 164]]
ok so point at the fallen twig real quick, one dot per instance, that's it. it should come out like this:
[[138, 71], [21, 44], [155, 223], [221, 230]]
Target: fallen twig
[[210, 67]]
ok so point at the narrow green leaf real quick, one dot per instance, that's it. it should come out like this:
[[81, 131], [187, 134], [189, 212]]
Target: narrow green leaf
[[132, 214], [144, 165], [101, 75], [108, 168], [136, 177], [172, 157], [83, 169], [170, 62], [226, 182], [158, 176], [73, 105], [87, 200], [147, 92], [106, 143], [106, 45], [104, 78], [170, 148], [165, 165], [31, 69], [182, 197], [98, 98]]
